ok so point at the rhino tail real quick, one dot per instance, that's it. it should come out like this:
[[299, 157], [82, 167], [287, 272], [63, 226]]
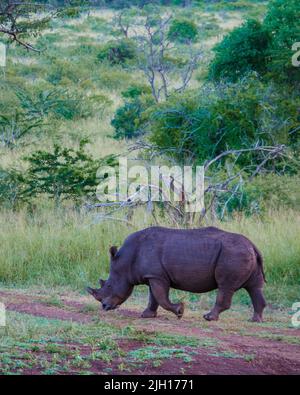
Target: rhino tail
[[260, 261]]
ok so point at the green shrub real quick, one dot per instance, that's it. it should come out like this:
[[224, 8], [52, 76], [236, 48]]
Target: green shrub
[[182, 31], [234, 116], [262, 47], [117, 52], [59, 70], [128, 120], [116, 78], [12, 188], [282, 21], [64, 173], [61, 103], [241, 51], [136, 90], [13, 127]]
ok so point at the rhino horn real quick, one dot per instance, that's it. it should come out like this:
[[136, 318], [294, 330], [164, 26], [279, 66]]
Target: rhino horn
[[101, 282], [91, 291]]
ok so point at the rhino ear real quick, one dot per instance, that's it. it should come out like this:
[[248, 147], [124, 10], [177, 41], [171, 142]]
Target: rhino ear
[[113, 251], [101, 282]]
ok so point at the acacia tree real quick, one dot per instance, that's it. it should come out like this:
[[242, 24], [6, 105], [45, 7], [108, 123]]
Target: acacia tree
[[22, 20], [162, 60]]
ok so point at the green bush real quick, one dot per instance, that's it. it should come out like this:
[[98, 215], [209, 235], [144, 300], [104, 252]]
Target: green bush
[[128, 120], [262, 47], [242, 51], [15, 126], [282, 21], [61, 103], [116, 78], [235, 116], [64, 173], [117, 52], [12, 188], [136, 90], [182, 31]]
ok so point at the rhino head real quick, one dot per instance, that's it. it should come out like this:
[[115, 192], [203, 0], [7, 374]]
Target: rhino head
[[116, 289]]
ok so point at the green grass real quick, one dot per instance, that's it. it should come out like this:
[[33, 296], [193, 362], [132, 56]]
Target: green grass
[[51, 346], [163, 339], [275, 337], [156, 354]]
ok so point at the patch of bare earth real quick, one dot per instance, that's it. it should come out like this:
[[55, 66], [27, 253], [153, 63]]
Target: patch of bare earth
[[235, 353]]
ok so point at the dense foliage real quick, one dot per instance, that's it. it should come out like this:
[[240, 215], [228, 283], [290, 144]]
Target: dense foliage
[[224, 117], [62, 173], [128, 120], [182, 30], [262, 47], [139, 72], [242, 51]]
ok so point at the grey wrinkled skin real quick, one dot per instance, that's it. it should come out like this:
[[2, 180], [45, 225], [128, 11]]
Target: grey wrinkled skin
[[194, 260]]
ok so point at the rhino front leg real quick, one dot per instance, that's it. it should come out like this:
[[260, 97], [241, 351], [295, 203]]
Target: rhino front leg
[[160, 292], [151, 310], [223, 303]]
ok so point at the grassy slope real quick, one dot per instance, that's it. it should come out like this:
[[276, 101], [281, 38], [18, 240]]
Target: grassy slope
[[71, 48]]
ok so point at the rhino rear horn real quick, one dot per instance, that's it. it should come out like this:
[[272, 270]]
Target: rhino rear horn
[[113, 251], [101, 282]]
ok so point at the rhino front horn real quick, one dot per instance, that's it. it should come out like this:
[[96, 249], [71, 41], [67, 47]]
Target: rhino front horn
[[91, 291]]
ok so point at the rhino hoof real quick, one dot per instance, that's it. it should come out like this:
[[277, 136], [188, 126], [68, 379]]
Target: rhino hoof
[[256, 318], [180, 310], [148, 314], [210, 317]]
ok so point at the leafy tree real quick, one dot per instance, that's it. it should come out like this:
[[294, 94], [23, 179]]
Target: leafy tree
[[241, 51], [20, 20], [264, 47], [201, 126], [282, 23], [128, 120], [64, 173], [182, 31]]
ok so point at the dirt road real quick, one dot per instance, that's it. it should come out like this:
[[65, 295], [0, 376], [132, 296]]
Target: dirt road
[[121, 342]]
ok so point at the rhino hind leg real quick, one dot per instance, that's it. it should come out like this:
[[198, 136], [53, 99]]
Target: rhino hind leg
[[223, 302], [259, 303], [160, 292], [151, 310]]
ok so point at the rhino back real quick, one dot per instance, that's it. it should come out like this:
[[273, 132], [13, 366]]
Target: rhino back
[[190, 261]]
